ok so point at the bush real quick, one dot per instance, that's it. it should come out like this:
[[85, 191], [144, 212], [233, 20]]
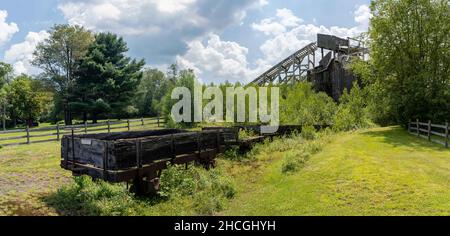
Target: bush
[[352, 113], [232, 153], [308, 132], [244, 134], [303, 106], [204, 186], [294, 160], [206, 191], [96, 198]]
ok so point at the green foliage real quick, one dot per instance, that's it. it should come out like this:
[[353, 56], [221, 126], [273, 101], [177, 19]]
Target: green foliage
[[303, 106], [107, 79], [206, 191], [58, 57], [244, 134], [184, 78], [26, 101], [411, 59], [377, 103], [153, 87], [232, 153], [87, 197], [5, 69], [308, 132], [352, 111], [197, 183], [293, 160]]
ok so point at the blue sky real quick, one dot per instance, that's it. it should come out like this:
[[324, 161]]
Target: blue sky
[[221, 40]]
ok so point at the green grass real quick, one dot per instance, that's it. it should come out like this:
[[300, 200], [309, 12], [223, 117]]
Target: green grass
[[52, 133], [381, 171], [30, 172]]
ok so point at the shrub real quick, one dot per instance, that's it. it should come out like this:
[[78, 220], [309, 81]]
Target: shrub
[[243, 134], [308, 132], [294, 160], [232, 153], [352, 113], [302, 105], [88, 197], [206, 191]]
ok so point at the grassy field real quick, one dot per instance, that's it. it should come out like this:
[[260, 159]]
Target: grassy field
[[30, 172], [380, 171], [101, 127]]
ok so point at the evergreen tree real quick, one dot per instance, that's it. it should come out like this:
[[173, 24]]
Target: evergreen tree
[[107, 79]]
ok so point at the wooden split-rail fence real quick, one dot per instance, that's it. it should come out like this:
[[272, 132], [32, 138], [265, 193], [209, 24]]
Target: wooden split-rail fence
[[437, 133], [55, 133]]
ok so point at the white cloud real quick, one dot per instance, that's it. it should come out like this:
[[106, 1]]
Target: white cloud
[[297, 35], [216, 60], [7, 30], [225, 60], [158, 29], [275, 26], [268, 27], [141, 17], [20, 54], [287, 18], [362, 16]]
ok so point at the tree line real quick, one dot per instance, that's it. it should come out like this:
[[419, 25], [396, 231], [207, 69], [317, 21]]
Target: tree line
[[87, 75]]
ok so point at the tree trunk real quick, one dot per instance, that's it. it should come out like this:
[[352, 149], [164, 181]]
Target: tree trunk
[[94, 118], [84, 117], [30, 122], [67, 115]]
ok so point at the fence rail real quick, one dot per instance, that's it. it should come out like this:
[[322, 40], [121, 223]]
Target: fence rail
[[59, 130], [431, 132]]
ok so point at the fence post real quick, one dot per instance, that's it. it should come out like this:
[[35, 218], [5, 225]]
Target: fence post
[[418, 127], [142, 121], [57, 131], [429, 130], [158, 121], [446, 134], [109, 127], [28, 134], [128, 124], [409, 125], [85, 127]]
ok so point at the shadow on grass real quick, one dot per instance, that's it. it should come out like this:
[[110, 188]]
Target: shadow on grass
[[399, 137]]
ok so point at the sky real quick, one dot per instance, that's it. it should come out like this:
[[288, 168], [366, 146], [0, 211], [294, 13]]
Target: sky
[[233, 40]]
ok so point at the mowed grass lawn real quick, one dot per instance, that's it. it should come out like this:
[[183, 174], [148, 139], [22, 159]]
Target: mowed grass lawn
[[28, 173], [381, 171]]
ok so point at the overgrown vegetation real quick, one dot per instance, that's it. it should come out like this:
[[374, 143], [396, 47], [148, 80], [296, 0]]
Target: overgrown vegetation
[[302, 105], [201, 192], [311, 144]]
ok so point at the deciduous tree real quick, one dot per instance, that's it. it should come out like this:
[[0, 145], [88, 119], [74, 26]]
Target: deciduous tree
[[58, 57]]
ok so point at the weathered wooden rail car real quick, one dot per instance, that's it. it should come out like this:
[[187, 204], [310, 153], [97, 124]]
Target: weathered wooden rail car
[[138, 157]]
